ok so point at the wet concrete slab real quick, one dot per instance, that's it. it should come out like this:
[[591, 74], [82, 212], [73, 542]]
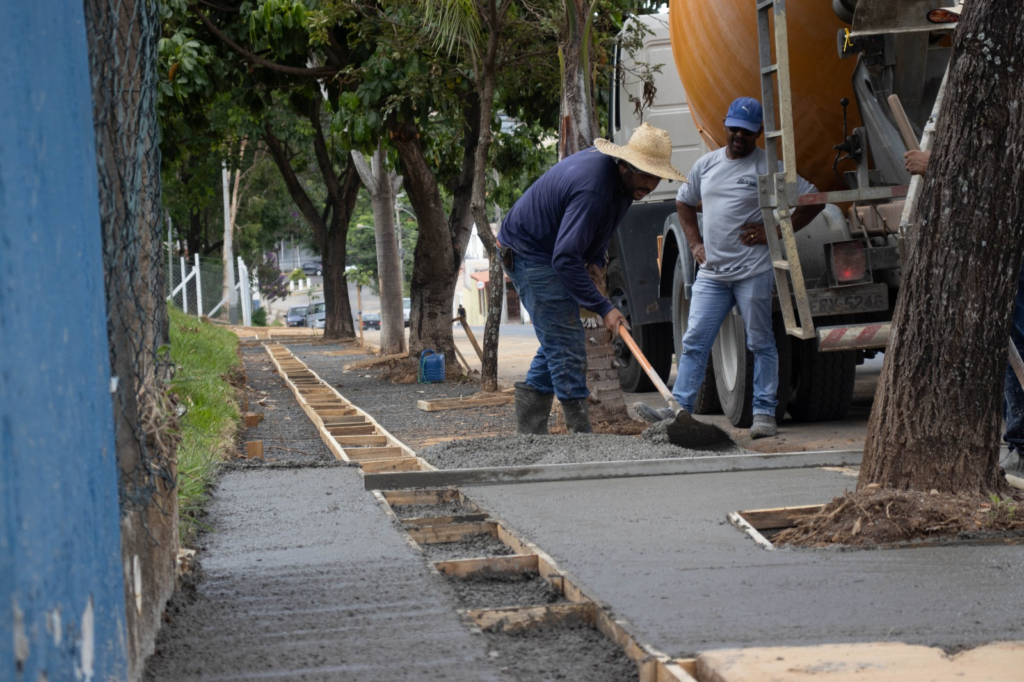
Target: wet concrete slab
[[661, 552], [305, 578]]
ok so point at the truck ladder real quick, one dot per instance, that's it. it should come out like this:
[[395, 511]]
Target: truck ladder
[[778, 191]]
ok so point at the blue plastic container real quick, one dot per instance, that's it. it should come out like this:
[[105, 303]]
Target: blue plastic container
[[431, 367]]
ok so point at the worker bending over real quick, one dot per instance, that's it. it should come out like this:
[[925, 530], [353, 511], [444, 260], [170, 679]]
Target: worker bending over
[[553, 244]]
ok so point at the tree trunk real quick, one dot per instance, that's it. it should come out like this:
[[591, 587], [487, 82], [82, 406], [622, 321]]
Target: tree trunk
[[936, 418], [578, 114], [331, 235], [382, 186], [486, 78], [442, 240]]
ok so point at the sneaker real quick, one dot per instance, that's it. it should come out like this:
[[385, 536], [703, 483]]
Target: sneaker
[[763, 427], [653, 414], [1012, 463]]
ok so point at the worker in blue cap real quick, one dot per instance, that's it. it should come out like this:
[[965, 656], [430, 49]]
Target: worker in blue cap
[[735, 267]]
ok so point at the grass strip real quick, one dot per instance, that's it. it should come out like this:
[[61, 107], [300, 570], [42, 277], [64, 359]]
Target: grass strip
[[206, 359]]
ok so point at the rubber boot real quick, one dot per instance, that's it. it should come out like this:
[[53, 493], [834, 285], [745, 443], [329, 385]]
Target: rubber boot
[[532, 410], [577, 416]]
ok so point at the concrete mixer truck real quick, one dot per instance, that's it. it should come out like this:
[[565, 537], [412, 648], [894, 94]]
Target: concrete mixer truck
[[825, 72]]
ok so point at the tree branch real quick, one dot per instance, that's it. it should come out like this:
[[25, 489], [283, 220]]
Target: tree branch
[[291, 181], [323, 156], [319, 72], [365, 174]]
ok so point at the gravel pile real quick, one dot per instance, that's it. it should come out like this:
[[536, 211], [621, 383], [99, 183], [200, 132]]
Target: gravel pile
[[288, 435], [496, 591], [473, 547], [515, 450], [394, 405], [566, 654]]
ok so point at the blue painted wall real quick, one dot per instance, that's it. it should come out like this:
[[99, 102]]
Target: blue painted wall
[[59, 518]]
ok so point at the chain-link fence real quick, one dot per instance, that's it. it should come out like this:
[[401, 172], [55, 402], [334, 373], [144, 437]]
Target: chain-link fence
[[204, 285], [123, 36]]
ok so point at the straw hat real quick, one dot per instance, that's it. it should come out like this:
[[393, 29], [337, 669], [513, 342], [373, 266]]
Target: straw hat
[[649, 149]]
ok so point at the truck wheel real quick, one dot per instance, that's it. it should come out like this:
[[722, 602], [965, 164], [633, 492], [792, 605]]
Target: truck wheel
[[655, 340], [822, 383], [734, 370], [707, 396]]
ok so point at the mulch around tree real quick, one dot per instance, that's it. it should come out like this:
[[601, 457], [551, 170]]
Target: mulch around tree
[[883, 516]]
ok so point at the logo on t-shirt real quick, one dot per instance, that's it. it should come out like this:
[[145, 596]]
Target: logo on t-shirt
[[746, 181]]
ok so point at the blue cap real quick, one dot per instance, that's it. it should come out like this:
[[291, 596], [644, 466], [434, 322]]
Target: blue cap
[[745, 112]]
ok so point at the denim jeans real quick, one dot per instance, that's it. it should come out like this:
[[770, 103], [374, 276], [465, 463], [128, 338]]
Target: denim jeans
[[710, 303], [1013, 395], [560, 366]]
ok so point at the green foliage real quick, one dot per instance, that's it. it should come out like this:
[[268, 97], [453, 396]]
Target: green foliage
[[297, 275], [206, 359], [259, 318]]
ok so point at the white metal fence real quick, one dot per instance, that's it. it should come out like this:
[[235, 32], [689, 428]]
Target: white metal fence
[[197, 287]]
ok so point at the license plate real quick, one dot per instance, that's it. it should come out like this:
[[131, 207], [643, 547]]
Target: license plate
[[862, 299]]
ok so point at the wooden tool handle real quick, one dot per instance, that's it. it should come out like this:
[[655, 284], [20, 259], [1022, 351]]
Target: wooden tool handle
[[903, 122], [655, 379]]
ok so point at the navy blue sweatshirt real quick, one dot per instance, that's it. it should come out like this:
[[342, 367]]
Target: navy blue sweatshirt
[[566, 219]]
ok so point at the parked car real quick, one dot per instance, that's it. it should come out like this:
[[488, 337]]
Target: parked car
[[296, 316], [313, 267], [316, 314], [371, 321], [406, 309]]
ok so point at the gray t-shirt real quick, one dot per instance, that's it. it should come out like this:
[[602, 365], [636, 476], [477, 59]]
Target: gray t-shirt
[[728, 188]]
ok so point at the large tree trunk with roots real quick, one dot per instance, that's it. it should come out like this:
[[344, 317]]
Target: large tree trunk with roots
[[442, 239], [382, 187], [936, 418], [330, 228], [578, 114]]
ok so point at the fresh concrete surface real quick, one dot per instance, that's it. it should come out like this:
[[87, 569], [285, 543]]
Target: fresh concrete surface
[[307, 579], [660, 551]]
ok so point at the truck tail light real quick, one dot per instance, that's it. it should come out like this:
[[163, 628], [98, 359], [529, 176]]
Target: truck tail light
[[849, 262], [943, 16]]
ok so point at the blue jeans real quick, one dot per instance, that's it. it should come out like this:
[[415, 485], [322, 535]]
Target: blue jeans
[[710, 302], [1013, 395], [560, 366]]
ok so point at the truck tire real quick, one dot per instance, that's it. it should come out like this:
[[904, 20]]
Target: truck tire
[[734, 370], [655, 341], [822, 383], [707, 396]]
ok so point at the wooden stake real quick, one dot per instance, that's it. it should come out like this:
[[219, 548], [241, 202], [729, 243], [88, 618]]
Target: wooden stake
[[472, 339], [254, 449]]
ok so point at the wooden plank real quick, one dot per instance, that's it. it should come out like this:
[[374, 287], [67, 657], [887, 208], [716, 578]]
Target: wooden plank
[[373, 362], [341, 418], [362, 454], [396, 464], [254, 449], [422, 521], [356, 441], [777, 517], [472, 339], [464, 403], [398, 498], [522, 617], [514, 564], [252, 418], [352, 430], [434, 535]]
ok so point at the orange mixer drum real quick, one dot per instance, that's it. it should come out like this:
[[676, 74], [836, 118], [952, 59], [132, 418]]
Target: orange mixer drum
[[714, 43]]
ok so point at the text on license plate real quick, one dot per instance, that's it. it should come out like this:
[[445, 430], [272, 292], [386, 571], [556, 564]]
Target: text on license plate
[[841, 304]]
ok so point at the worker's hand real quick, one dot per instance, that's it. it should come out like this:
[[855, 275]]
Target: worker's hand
[[698, 253], [613, 320], [752, 234], [917, 162], [597, 276]]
